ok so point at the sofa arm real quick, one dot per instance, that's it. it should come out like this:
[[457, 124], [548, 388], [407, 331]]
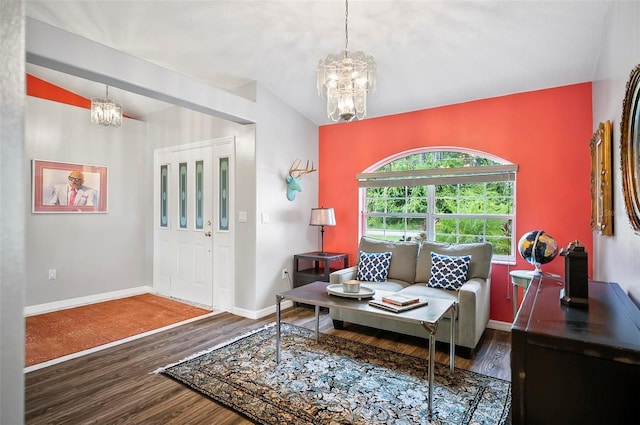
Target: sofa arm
[[473, 310], [340, 276]]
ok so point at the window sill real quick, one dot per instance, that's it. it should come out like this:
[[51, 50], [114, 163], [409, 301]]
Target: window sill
[[504, 262]]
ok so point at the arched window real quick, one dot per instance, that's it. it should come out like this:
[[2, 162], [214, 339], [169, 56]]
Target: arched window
[[443, 195]]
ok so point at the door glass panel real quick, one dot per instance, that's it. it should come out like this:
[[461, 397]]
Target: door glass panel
[[199, 194], [182, 189], [224, 194], [164, 221]]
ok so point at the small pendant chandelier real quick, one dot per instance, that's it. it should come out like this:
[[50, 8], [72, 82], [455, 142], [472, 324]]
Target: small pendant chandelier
[[106, 112], [345, 78]]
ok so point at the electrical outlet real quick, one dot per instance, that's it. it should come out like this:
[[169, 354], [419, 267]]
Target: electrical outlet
[[52, 274], [284, 273]]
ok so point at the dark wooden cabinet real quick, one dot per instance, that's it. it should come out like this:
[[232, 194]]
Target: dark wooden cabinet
[[312, 267], [573, 365]]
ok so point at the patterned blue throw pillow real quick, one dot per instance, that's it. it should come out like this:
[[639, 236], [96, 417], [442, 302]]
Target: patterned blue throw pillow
[[373, 266], [448, 272]]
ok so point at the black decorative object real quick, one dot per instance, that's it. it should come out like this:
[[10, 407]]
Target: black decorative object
[[576, 288]]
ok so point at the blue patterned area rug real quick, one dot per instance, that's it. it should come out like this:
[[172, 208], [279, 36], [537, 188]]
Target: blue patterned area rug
[[337, 381]]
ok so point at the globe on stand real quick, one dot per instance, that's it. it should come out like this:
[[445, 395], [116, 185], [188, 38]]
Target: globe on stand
[[537, 248]]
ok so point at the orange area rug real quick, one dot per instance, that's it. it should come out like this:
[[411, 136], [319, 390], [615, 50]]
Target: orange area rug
[[64, 332]]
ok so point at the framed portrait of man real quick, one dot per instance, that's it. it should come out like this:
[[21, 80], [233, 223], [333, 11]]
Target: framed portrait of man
[[60, 187]]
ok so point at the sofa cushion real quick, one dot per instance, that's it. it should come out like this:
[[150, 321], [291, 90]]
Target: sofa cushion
[[479, 266], [403, 258], [373, 266], [448, 272]]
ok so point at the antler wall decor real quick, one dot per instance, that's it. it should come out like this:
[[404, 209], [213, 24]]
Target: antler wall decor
[[293, 179]]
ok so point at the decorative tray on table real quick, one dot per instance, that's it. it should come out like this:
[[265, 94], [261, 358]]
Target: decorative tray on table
[[338, 290]]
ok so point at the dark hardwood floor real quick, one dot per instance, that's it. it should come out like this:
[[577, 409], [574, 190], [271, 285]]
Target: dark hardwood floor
[[118, 386]]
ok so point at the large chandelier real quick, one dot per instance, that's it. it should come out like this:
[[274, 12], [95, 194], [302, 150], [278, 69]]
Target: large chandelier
[[106, 112], [345, 78]]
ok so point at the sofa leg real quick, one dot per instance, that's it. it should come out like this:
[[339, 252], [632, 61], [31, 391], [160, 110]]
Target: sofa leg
[[464, 352], [338, 324]]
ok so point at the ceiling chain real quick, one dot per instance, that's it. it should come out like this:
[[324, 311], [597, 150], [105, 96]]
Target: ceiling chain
[[346, 25]]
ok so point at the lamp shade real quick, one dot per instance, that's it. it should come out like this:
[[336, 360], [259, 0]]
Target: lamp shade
[[322, 217]]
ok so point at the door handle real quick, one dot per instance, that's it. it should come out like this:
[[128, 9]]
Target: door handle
[[207, 234]]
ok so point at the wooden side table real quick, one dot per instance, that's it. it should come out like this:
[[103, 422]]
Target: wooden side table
[[311, 266]]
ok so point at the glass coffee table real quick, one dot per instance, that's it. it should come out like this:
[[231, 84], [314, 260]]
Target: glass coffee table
[[427, 316]]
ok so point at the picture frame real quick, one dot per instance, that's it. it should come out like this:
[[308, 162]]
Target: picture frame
[[53, 184], [630, 149], [601, 180]]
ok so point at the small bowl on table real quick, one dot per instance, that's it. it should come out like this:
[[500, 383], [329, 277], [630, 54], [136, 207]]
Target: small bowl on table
[[351, 286]]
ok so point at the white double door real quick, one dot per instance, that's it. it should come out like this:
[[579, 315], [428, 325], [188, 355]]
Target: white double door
[[194, 234]]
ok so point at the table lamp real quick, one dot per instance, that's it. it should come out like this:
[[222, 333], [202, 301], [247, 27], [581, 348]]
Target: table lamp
[[322, 217]]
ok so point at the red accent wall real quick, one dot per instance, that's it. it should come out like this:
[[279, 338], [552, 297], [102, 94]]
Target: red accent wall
[[545, 132], [45, 90]]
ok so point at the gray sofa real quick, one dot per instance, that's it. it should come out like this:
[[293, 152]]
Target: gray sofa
[[409, 273]]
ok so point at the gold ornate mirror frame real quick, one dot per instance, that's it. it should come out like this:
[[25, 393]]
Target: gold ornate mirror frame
[[630, 148], [601, 186]]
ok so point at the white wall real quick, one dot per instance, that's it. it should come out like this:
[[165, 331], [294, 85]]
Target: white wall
[[616, 257], [12, 209], [264, 153], [283, 136], [92, 253]]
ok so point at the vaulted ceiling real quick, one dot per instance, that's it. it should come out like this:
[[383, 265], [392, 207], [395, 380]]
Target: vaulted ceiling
[[429, 53]]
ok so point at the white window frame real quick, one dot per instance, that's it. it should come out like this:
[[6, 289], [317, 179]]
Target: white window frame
[[506, 171]]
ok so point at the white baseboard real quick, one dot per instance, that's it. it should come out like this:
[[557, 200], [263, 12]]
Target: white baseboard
[[90, 299], [500, 326], [258, 314]]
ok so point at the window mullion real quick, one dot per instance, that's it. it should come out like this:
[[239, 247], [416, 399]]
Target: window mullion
[[431, 211]]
